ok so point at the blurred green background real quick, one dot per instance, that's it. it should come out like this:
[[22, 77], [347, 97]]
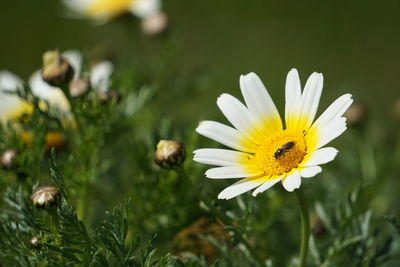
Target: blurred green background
[[354, 43], [208, 45]]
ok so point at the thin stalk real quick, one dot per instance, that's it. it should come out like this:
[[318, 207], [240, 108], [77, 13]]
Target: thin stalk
[[305, 227], [220, 215]]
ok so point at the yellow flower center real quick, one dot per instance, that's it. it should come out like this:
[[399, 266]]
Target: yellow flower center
[[113, 7], [281, 152]]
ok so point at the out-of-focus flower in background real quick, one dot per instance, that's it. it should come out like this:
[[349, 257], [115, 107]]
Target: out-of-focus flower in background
[[98, 78], [264, 152], [12, 106], [101, 11]]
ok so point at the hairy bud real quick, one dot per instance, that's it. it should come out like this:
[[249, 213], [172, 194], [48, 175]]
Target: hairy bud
[[56, 70], [108, 96], [78, 87], [155, 24], [169, 154], [34, 242], [356, 114], [45, 196], [8, 158]]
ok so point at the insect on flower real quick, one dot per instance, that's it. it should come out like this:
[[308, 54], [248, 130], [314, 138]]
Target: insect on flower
[[285, 147], [264, 151]]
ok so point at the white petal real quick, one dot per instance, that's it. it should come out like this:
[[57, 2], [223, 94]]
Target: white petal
[[333, 112], [225, 135], [232, 172], [292, 181], [221, 157], [259, 102], [77, 5], [53, 95], [331, 131], [310, 100], [268, 184], [100, 75], [240, 187], [74, 58], [239, 116], [10, 81], [321, 156], [145, 8], [293, 99], [310, 171]]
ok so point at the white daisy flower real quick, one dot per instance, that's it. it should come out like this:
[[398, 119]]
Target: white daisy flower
[[265, 152], [11, 106], [104, 10], [58, 104], [100, 75]]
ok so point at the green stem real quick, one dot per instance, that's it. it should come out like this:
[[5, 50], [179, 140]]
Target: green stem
[[82, 208], [305, 227], [219, 214]]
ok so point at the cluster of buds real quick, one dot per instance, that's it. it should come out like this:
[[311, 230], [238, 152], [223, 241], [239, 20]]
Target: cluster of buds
[[56, 70], [169, 154], [45, 196]]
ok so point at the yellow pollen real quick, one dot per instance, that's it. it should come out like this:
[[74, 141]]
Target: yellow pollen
[[112, 7], [289, 156]]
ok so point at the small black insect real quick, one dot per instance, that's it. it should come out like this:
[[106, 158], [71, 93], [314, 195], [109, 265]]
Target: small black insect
[[285, 147]]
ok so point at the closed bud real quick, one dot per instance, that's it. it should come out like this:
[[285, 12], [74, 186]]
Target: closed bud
[[108, 96], [169, 154], [45, 196], [317, 226], [155, 24], [8, 158], [356, 114], [56, 70], [78, 87], [34, 242]]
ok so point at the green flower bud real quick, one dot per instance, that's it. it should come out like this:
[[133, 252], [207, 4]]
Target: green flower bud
[[169, 154]]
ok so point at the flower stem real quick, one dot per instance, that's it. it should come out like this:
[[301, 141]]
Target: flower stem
[[305, 227]]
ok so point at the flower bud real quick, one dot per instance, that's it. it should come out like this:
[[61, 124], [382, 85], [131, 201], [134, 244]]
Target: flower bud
[[169, 154], [108, 96], [155, 24], [78, 87], [34, 242], [8, 158], [45, 195], [56, 70], [356, 114], [317, 226]]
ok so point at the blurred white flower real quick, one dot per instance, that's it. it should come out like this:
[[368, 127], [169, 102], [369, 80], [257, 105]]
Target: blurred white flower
[[11, 105], [104, 10], [100, 75], [155, 24]]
